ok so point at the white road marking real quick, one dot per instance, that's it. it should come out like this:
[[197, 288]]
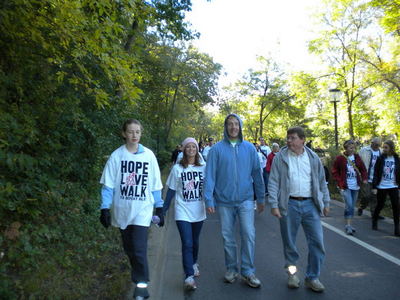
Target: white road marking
[[363, 244], [365, 212]]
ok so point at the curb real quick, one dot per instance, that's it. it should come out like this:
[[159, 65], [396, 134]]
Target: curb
[[156, 254]]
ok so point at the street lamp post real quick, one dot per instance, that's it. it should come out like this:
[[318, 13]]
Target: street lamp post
[[335, 92]]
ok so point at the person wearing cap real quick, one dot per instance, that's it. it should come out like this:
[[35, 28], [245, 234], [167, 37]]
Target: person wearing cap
[[185, 183], [131, 187], [232, 168], [369, 155], [208, 147], [298, 196]]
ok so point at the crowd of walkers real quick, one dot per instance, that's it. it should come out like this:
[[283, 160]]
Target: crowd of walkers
[[234, 178]]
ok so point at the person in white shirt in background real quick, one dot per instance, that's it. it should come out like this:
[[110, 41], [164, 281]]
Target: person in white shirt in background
[[263, 162], [266, 151], [131, 187], [261, 156], [208, 148], [369, 155]]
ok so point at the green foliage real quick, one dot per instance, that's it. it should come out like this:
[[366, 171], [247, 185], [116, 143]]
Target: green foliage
[[351, 44], [70, 73], [391, 14], [263, 99]]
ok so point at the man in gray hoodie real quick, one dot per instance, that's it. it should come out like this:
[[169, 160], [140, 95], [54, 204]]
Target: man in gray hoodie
[[298, 194]]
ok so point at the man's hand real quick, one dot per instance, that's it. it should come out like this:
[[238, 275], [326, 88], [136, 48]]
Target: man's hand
[[160, 214], [275, 212], [260, 207], [105, 217], [374, 191], [211, 210], [326, 211]]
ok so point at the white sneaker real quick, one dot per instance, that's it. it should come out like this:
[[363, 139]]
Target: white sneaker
[[230, 276], [252, 281], [293, 281], [348, 230], [190, 284], [315, 285], [196, 270]]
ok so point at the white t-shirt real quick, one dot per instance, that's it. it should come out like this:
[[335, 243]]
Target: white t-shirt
[[265, 149], [133, 177], [188, 185], [263, 160], [205, 151], [351, 175], [374, 157], [388, 180]]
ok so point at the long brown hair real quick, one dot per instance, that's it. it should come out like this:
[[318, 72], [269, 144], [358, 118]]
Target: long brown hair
[[392, 147], [185, 160]]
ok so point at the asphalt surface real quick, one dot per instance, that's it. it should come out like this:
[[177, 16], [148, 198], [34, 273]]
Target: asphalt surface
[[365, 266]]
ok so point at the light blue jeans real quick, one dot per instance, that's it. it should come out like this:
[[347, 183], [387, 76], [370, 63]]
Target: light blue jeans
[[245, 213], [304, 213], [350, 199]]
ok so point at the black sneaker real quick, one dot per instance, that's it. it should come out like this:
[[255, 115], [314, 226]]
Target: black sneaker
[[381, 217]]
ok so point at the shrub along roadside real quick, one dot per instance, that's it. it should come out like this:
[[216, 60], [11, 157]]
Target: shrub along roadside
[[68, 255]]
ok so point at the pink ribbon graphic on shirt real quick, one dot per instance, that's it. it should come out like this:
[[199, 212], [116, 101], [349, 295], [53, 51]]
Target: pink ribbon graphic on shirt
[[190, 185], [130, 179]]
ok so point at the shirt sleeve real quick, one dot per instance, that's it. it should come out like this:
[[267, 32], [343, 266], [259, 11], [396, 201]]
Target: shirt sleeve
[[209, 180], [158, 202], [274, 182], [109, 173], [106, 197], [170, 194], [156, 184], [257, 179], [172, 180]]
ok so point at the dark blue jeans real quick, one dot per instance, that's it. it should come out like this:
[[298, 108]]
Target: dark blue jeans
[[190, 233], [266, 178], [134, 240]]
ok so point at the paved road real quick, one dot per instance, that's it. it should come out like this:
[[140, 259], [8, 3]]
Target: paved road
[[366, 266]]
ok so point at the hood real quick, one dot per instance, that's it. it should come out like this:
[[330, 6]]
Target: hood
[[226, 136]]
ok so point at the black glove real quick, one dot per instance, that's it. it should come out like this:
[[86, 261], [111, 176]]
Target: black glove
[[105, 217], [160, 214]]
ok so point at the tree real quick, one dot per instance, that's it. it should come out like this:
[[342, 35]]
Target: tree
[[342, 41], [263, 98], [179, 83]]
